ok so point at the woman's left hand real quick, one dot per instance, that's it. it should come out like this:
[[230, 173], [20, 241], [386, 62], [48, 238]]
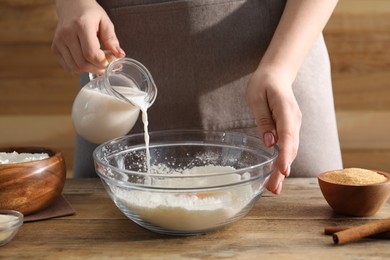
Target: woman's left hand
[[271, 100]]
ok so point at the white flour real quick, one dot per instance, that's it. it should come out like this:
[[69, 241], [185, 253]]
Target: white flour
[[15, 157], [189, 211]]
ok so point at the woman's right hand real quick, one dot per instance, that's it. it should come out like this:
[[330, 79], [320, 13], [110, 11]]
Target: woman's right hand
[[83, 30]]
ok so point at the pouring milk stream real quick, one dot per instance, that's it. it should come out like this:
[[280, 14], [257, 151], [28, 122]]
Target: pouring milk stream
[[109, 105]]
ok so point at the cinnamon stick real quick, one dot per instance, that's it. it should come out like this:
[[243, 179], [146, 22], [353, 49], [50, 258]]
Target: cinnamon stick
[[356, 233], [330, 230]]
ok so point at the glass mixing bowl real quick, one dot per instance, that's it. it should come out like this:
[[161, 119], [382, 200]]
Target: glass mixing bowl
[[198, 181]]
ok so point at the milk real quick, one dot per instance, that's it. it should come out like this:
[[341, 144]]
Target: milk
[[99, 117], [137, 97]]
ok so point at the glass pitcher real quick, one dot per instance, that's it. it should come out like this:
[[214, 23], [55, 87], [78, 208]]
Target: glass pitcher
[[109, 105]]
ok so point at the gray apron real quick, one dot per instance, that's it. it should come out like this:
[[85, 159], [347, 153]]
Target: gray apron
[[201, 54]]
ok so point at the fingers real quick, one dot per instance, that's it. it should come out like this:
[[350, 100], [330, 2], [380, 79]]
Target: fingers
[[108, 38], [288, 124], [288, 127], [69, 45], [274, 183], [81, 30], [61, 50], [269, 138], [92, 60], [64, 56], [258, 103], [266, 125], [278, 119], [90, 56]]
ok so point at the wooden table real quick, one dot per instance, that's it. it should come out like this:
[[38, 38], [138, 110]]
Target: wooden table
[[288, 226]]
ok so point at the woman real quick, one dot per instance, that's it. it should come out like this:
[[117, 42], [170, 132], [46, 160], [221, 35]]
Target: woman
[[258, 66]]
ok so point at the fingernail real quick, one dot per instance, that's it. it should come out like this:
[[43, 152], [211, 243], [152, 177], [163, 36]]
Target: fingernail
[[269, 139], [279, 188], [275, 190], [105, 63], [121, 52], [109, 56], [288, 170]]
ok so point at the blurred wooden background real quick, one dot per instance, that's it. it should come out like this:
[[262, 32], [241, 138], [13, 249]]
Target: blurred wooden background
[[36, 94]]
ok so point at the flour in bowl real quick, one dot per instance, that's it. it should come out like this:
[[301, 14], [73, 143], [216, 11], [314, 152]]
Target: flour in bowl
[[190, 211], [15, 157]]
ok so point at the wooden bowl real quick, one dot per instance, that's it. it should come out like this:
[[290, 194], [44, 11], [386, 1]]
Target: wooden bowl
[[29, 187], [355, 200]]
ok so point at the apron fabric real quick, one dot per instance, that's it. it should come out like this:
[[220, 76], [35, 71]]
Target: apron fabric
[[201, 54]]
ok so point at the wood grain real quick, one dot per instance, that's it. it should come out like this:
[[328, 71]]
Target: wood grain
[[29, 61], [358, 39], [367, 158], [362, 92], [370, 131], [30, 187], [38, 97], [53, 131], [289, 226], [33, 84], [27, 21]]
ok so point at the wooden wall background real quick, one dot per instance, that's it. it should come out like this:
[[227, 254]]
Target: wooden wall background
[[36, 94]]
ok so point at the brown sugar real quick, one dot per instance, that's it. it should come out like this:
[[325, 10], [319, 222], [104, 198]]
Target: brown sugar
[[355, 176]]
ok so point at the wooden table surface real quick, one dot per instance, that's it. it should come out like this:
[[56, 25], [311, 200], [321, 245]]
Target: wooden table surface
[[288, 226]]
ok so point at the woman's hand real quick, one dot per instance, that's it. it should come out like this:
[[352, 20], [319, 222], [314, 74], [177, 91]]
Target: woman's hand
[[278, 117], [84, 28], [270, 95]]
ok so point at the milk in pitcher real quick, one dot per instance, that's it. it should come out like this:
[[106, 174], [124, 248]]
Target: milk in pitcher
[[100, 117], [109, 105]]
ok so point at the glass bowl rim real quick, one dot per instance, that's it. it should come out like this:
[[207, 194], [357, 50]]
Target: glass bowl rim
[[14, 213], [273, 157]]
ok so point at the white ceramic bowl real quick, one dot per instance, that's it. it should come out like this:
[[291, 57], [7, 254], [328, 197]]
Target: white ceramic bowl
[[198, 181]]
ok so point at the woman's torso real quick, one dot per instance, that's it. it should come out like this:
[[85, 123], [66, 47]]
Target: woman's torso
[[200, 54]]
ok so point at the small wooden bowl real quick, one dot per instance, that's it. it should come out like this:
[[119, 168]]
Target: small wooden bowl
[[29, 187], [355, 200]]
